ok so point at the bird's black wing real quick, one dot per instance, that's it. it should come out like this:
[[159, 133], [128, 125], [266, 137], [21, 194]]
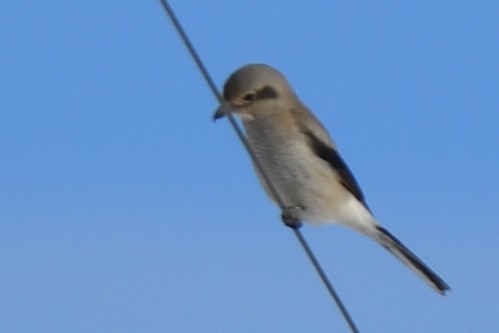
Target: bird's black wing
[[332, 156]]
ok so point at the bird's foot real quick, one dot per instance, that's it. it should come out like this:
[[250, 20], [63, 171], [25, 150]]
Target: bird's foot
[[289, 218]]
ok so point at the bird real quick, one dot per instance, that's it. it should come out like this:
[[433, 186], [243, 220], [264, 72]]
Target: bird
[[301, 161]]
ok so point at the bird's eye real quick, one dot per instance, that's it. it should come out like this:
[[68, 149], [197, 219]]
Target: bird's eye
[[249, 97]]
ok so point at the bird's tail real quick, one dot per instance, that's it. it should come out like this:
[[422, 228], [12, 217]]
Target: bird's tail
[[392, 244]]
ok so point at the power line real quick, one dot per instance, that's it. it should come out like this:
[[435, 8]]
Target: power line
[[287, 212]]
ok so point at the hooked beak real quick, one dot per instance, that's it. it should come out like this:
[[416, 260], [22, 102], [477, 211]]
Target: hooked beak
[[222, 111], [219, 113]]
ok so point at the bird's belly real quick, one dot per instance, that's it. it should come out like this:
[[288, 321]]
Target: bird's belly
[[304, 182]]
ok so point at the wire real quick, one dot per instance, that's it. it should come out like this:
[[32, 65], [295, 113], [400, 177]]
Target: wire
[[326, 281], [287, 211], [226, 108]]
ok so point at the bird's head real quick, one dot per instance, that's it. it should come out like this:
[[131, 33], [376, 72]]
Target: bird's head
[[253, 89]]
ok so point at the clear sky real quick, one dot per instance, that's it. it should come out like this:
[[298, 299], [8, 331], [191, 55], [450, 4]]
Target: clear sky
[[124, 208]]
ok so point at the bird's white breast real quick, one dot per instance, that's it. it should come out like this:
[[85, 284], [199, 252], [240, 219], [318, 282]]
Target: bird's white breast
[[300, 177]]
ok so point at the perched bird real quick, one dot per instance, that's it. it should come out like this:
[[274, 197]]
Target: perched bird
[[302, 162]]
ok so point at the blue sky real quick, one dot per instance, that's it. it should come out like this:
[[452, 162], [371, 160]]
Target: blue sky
[[124, 208]]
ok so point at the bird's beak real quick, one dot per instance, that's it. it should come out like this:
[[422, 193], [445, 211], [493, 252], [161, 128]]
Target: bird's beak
[[219, 113], [223, 109]]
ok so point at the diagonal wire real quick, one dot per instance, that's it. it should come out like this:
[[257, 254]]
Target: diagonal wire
[[285, 209], [326, 281]]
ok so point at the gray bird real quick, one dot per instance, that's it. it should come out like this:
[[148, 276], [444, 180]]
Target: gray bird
[[302, 161]]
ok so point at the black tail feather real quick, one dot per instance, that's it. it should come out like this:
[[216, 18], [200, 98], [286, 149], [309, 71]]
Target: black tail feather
[[392, 244]]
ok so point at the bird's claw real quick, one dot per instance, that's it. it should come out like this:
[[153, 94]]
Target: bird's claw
[[289, 218]]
